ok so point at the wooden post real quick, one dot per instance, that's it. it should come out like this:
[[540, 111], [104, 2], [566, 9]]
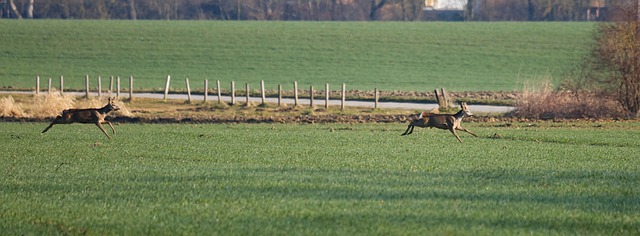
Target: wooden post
[[206, 90], [219, 92], [375, 98], [118, 86], [248, 94], [130, 88], [37, 85], [110, 85], [295, 93], [279, 95], [262, 92], [311, 97], [186, 80], [61, 85], [326, 96], [435, 92], [166, 87], [344, 95], [86, 85], [445, 98], [233, 92], [49, 91], [99, 87]]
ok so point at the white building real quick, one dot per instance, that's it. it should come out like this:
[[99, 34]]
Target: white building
[[444, 5]]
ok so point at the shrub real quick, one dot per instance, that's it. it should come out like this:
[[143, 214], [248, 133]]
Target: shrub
[[546, 103]]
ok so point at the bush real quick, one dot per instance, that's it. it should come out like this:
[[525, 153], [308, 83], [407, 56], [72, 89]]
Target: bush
[[546, 103]]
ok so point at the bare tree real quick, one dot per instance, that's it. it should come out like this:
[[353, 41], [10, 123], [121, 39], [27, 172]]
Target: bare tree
[[617, 55], [15, 9], [375, 6], [132, 10], [30, 10]]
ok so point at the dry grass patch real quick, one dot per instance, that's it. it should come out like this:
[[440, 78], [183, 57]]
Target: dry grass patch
[[9, 108], [546, 103], [49, 105]]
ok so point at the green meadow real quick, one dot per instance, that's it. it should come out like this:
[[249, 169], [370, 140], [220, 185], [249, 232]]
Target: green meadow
[[408, 56], [542, 178]]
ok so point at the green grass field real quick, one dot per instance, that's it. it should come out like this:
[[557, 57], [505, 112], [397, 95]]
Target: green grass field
[[408, 56], [338, 179]]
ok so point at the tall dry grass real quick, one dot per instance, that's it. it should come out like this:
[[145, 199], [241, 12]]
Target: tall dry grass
[[9, 108], [51, 105], [543, 102]]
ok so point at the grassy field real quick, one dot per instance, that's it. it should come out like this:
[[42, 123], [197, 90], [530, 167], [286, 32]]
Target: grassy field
[[339, 179], [408, 56]]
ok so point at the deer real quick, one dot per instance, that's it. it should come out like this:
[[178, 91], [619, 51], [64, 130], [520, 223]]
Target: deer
[[442, 121], [87, 116]]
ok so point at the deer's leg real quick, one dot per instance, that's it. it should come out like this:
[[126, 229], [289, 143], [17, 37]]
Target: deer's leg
[[56, 121], [102, 128], [50, 125], [455, 134], [410, 127], [466, 130], [110, 125]]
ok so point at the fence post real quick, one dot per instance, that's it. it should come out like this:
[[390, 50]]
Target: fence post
[[186, 80], [295, 93], [130, 88], [326, 96], [37, 85], [206, 90], [49, 91], [166, 87], [218, 89], [86, 85], [262, 92], [61, 85], [435, 92], [344, 94], [248, 95], [99, 87], [233, 92], [118, 86], [311, 97], [445, 97], [375, 98], [279, 95], [110, 85]]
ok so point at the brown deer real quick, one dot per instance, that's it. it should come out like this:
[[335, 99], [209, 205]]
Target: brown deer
[[442, 121], [87, 116]]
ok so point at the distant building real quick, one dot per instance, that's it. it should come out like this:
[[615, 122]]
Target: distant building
[[444, 10], [444, 5]]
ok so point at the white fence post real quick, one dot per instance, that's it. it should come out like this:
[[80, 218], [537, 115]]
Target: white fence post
[[344, 94], [166, 87], [206, 90], [86, 85]]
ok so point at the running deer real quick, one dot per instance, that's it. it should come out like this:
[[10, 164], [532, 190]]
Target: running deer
[[442, 121], [87, 116]]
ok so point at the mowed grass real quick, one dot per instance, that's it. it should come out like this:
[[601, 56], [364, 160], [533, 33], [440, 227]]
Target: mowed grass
[[337, 179], [408, 56]]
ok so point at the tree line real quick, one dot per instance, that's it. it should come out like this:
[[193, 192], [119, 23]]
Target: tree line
[[318, 10]]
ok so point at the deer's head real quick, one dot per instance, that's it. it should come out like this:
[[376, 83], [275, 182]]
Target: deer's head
[[112, 105], [465, 109]]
